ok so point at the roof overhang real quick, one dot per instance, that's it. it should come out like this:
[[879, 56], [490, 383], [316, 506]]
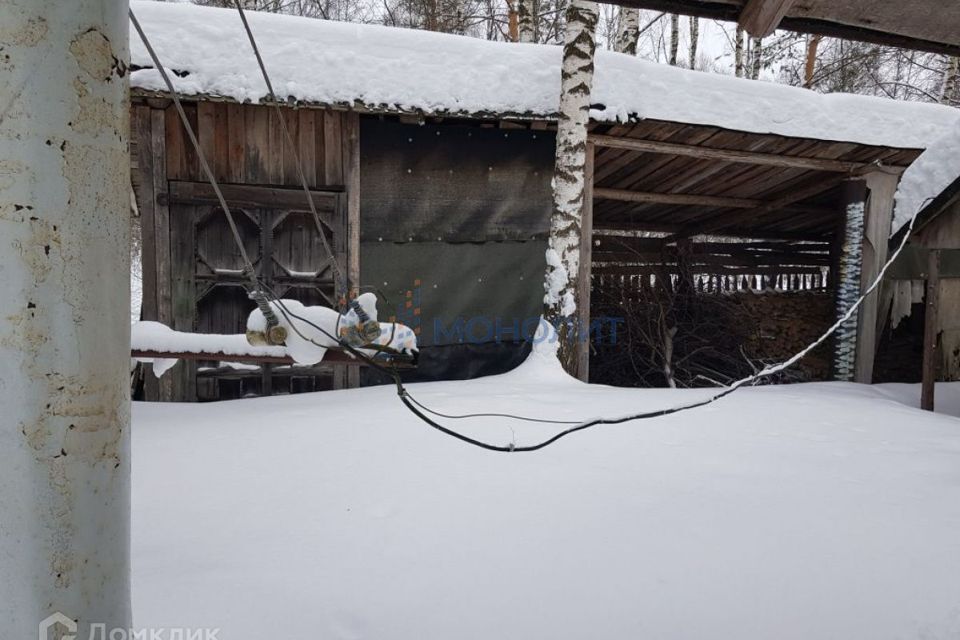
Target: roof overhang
[[927, 25]]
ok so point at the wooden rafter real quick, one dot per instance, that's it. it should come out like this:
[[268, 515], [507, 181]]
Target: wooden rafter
[[760, 18], [727, 155], [625, 195], [778, 205], [697, 200], [730, 11]]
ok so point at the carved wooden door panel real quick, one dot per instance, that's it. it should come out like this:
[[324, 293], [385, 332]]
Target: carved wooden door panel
[[209, 288]]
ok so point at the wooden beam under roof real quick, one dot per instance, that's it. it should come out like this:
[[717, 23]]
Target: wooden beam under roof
[[815, 17], [760, 18], [781, 203], [727, 155], [633, 226], [649, 197], [697, 200]]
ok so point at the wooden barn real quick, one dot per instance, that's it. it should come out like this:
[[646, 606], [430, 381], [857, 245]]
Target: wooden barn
[[440, 200], [921, 298]]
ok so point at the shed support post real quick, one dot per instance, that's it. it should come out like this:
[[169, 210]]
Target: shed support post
[[352, 227], [65, 335], [930, 325], [584, 276], [847, 279], [878, 218]]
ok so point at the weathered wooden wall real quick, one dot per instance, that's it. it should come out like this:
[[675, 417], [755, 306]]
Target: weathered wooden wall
[[188, 252]]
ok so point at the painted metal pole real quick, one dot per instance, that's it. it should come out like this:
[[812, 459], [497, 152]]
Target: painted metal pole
[[64, 318]]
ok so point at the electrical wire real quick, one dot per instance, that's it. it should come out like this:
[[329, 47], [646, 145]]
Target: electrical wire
[[248, 265], [342, 281]]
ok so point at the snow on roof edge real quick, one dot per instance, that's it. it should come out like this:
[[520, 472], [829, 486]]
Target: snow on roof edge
[[931, 174], [370, 66]]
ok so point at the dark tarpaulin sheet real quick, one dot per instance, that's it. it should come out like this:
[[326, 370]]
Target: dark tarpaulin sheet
[[453, 183], [471, 293], [458, 362]]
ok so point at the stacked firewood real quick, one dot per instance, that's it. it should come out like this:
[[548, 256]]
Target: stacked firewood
[[784, 323]]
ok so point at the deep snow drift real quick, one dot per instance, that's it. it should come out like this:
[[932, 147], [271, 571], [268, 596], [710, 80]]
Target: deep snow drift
[[811, 511]]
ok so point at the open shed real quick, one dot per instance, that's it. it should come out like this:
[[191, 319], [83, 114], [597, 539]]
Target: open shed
[[434, 173]]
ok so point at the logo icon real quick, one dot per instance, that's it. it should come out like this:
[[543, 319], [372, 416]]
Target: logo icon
[[57, 626]]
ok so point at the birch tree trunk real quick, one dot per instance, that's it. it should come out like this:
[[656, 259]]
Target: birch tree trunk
[[738, 53], [948, 88], [629, 30], [756, 57], [527, 18], [563, 252], [694, 40], [674, 38], [65, 334]]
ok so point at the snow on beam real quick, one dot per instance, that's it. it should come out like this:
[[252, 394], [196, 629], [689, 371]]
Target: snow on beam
[[332, 357]]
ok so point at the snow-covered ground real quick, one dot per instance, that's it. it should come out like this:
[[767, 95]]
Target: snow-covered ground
[[810, 511]]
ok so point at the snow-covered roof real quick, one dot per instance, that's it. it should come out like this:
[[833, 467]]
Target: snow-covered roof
[[936, 169], [391, 69]]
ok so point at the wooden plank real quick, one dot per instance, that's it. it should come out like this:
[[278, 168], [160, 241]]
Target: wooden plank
[[221, 143], [584, 272], [241, 195], [725, 155], [207, 134], [276, 148], [256, 144], [307, 144], [633, 269], [183, 293], [876, 234], [710, 259], [332, 148], [675, 198], [760, 18], [794, 195], [174, 143], [319, 129], [733, 232], [930, 324], [161, 160], [332, 357], [189, 160], [146, 203], [352, 180], [236, 143], [291, 153], [943, 231], [862, 30]]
